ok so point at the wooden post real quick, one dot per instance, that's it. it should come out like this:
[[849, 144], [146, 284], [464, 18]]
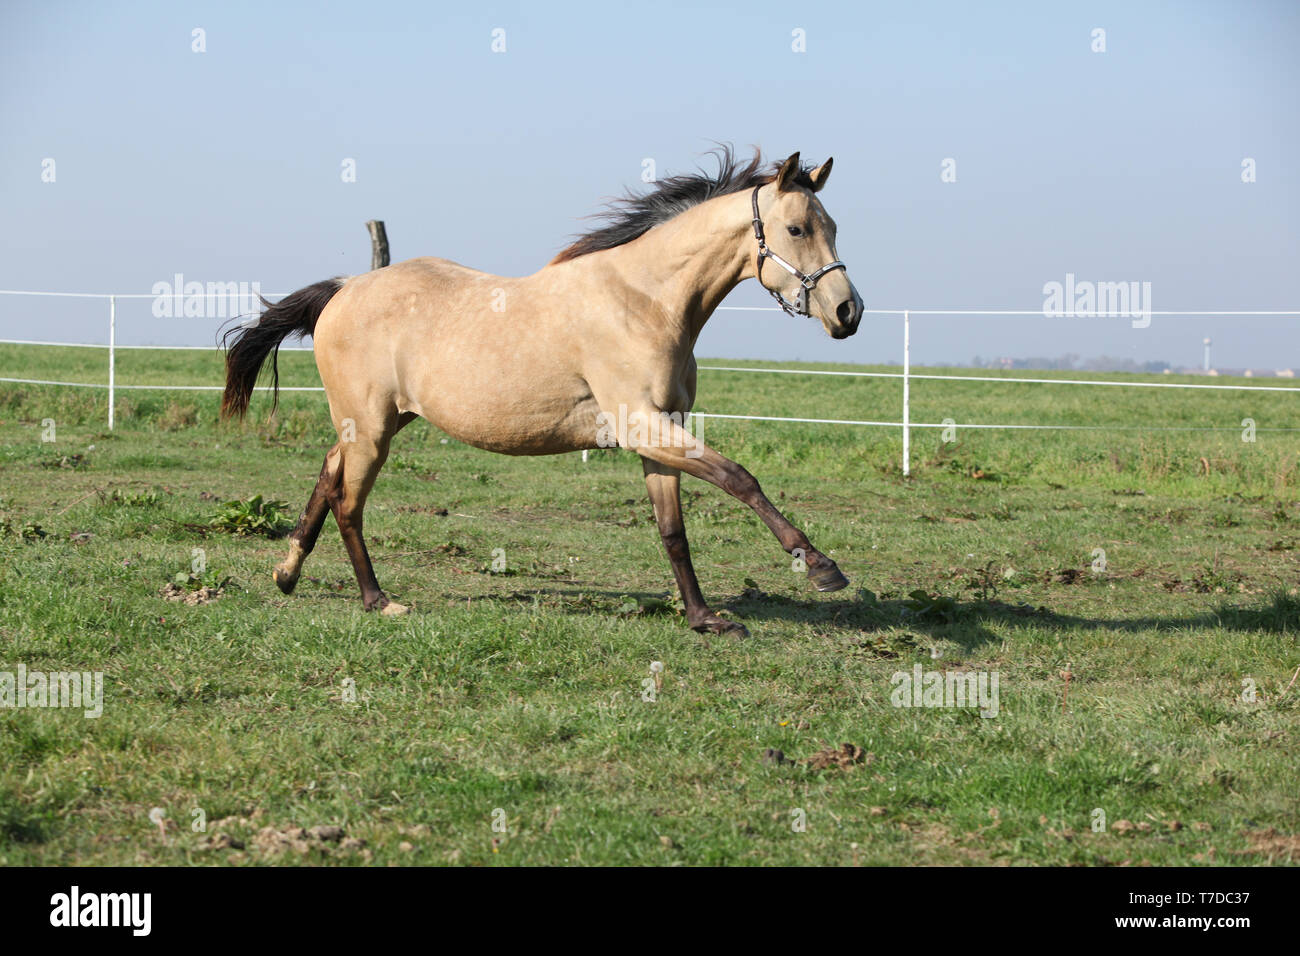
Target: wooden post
[[378, 244]]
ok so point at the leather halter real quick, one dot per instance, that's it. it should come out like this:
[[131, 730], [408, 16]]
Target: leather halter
[[806, 282]]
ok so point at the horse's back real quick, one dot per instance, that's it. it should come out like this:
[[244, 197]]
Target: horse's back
[[432, 281], [462, 348]]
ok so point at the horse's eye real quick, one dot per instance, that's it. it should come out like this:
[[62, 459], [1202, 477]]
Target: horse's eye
[[794, 230]]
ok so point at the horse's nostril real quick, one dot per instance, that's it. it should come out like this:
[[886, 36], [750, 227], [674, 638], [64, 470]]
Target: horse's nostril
[[846, 310]]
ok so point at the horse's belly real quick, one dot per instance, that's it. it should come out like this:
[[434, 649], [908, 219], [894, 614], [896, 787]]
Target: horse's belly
[[516, 424]]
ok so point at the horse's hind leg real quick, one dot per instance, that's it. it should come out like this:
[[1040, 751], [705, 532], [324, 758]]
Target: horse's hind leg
[[362, 460], [303, 538]]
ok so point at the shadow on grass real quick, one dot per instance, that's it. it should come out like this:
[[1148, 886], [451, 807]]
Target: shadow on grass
[[965, 622]]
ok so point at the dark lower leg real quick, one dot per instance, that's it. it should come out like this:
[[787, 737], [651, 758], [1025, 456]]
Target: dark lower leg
[[698, 614], [302, 540], [313, 516], [362, 460], [822, 571], [350, 527]]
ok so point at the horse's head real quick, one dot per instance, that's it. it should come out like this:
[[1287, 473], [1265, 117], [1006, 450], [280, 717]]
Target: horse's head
[[796, 233]]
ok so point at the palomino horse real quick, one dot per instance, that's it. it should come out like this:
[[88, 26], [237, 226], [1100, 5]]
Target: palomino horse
[[539, 365]]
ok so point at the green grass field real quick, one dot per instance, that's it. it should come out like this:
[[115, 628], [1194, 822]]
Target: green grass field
[[516, 698]]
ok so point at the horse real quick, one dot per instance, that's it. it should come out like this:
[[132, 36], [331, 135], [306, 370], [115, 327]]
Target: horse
[[541, 364]]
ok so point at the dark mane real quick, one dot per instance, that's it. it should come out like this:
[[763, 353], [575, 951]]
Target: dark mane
[[636, 214]]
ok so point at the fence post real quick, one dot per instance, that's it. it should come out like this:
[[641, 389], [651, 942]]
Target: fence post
[[907, 371], [112, 349], [378, 244]]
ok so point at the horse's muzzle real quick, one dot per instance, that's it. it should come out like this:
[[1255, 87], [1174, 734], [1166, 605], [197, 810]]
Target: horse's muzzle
[[847, 316]]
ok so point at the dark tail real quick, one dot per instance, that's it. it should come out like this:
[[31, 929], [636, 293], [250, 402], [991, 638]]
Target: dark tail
[[295, 314]]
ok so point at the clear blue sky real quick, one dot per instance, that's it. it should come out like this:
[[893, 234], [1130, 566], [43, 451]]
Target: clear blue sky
[[225, 165]]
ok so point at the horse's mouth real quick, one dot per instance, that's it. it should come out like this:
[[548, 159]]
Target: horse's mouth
[[848, 314]]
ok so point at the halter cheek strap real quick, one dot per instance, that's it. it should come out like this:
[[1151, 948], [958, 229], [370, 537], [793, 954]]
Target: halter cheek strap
[[806, 282]]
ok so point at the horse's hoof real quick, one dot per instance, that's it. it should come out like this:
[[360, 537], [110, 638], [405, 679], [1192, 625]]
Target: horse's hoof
[[284, 581], [720, 625], [393, 609], [827, 579]]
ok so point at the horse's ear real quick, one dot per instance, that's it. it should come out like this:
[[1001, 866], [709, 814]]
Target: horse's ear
[[821, 174], [789, 170]]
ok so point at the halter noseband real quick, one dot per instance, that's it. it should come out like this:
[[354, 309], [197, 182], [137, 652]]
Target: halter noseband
[[806, 282]]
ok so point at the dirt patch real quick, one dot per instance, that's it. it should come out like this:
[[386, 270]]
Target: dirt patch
[[1125, 827], [846, 755], [1273, 844], [1213, 584], [936, 840], [64, 461], [1067, 576], [321, 841], [205, 595], [842, 757]]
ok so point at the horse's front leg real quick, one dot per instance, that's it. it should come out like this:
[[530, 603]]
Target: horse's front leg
[[664, 485], [677, 448]]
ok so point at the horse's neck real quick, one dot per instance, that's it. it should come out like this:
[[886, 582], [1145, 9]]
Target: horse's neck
[[688, 265]]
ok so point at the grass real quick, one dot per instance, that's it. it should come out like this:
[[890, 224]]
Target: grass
[[517, 695]]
